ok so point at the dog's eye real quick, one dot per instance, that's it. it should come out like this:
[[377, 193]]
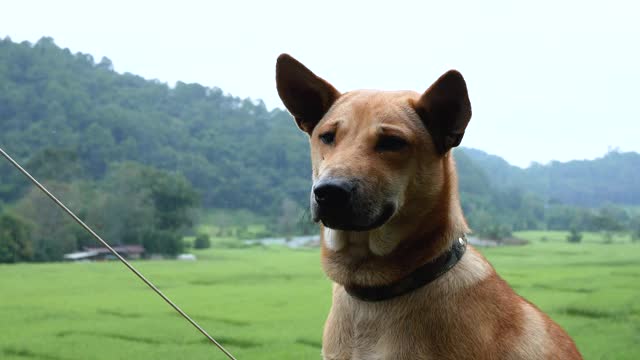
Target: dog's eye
[[328, 137], [390, 143]]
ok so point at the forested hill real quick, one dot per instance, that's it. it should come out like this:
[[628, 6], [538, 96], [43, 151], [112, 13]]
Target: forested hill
[[613, 178], [68, 116], [61, 106]]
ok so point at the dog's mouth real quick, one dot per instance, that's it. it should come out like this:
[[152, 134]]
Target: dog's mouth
[[345, 220]]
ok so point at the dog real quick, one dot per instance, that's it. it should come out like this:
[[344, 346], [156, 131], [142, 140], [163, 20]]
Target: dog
[[406, 284]]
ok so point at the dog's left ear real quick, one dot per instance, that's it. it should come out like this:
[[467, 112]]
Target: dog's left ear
[[445, 110], [307, 96]]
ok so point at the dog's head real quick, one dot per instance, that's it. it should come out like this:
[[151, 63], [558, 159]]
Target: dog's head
[[375, 155]]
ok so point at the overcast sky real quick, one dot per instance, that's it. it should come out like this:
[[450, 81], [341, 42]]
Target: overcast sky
[[548, 80]]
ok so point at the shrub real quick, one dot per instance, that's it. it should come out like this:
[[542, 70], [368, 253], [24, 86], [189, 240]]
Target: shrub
[[496, 232], [635, 229], [163, 242], [574, 236], [15, 243], [202, 241]]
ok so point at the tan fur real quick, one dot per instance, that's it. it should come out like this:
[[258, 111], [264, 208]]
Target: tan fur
[[469, 312]]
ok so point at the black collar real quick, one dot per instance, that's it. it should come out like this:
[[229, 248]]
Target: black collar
[[417, 279]]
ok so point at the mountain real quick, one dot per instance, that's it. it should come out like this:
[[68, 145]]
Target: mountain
[[70, 118], [613, 178], [57, 105]]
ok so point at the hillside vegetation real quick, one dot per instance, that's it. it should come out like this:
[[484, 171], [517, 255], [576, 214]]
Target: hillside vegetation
[[612, 178]]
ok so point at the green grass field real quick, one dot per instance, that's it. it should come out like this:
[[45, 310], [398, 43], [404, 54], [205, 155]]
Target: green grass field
[[271, 303]]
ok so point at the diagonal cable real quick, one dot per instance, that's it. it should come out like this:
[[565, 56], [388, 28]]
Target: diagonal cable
[[116, 254]]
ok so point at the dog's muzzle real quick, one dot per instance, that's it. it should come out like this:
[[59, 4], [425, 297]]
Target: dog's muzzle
[[341, 204]]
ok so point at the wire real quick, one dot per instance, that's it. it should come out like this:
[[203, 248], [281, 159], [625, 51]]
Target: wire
[[116, 254]]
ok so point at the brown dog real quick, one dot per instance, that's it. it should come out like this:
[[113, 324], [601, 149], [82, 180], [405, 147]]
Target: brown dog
[[385, 190]]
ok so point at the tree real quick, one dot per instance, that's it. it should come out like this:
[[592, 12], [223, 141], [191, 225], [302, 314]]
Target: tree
[[143, 205], [53, 232], [635, 228], [163, 242], [202, 241], [498, 232], [288, 218], [55, 164], [574, 236], [122, 217], [15, 242]]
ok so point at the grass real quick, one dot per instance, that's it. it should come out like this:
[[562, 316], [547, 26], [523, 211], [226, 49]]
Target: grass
[[225, 225], [271, 303], [538, 236]]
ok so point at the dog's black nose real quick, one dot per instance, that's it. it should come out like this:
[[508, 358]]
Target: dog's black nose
[[333, 192]]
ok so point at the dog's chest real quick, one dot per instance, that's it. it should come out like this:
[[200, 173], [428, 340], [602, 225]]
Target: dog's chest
[[375, 333]]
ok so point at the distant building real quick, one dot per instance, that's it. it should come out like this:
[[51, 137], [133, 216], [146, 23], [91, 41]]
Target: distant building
[[186, 257], [131, 252], [81, 256]]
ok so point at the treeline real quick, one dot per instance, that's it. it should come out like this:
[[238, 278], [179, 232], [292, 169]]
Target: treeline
[[87, 130], [497, 208], [133, 204]]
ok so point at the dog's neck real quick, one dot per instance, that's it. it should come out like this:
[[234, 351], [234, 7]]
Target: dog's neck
[[386, 254]]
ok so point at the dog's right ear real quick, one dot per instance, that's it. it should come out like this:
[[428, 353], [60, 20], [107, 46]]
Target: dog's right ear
[[306, 96], [445, 110]]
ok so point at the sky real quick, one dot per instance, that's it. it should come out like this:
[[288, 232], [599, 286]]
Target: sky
[[548, 80]]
